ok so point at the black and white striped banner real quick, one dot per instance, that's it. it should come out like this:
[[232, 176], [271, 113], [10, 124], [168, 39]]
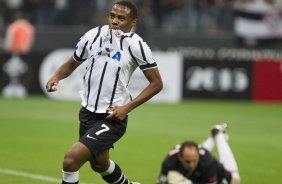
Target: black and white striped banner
[[255, 25]]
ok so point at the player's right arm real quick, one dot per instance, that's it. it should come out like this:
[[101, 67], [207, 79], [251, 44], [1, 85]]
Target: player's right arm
[[63, 71], [80, 55]]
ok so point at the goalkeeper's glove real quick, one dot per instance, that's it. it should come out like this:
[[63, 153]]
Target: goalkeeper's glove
[[174, 177]]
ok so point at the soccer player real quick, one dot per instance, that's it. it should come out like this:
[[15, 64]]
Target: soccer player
[[113, 52], [189, 163]]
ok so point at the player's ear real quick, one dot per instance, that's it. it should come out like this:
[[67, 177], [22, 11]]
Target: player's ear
[[134, 24]]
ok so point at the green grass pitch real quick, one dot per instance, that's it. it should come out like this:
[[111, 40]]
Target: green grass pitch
[[36, 132]]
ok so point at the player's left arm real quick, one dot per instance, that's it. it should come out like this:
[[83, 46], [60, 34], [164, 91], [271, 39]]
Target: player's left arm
[[155, 86]]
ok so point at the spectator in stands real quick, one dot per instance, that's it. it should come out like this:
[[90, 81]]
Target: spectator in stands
[[19, 35], [170, 15], [224, 14]]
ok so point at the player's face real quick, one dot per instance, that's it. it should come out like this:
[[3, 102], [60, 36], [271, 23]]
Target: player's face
[[190, 158], [120, 18]]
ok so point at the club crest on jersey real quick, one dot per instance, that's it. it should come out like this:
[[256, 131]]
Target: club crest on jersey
[[117, 33], [110, 53]]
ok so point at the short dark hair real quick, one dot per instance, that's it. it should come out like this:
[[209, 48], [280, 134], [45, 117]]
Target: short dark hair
[[131, 6], [189, 144]]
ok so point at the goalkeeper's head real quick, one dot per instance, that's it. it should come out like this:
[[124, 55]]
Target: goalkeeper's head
[[189, 155]]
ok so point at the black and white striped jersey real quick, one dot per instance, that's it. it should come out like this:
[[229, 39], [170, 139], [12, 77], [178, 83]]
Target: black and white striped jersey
[[112, 57]]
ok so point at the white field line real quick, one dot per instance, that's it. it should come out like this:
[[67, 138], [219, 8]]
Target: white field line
[[31, 176]]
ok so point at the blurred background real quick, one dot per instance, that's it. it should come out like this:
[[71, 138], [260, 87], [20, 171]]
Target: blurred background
[[227, 48]]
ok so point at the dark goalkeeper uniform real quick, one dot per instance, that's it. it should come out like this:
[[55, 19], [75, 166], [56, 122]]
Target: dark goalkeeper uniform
[[208, 171]]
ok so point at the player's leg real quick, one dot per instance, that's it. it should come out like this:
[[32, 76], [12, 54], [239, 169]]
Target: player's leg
[[208, 143], [79, 153], [114, 174], [73, 160], [109, 170], [226, 157], [99, 139]]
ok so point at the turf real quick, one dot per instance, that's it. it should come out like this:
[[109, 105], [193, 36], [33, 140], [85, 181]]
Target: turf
[[36, 132]]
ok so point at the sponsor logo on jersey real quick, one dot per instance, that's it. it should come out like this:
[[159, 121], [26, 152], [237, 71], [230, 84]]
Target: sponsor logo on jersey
[[111, 53]]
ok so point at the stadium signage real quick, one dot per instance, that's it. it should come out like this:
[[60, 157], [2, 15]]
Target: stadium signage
[[213, 79], [217, 79], [230, 54]]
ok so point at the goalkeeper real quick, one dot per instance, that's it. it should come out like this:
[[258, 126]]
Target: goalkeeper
[[189, 163]]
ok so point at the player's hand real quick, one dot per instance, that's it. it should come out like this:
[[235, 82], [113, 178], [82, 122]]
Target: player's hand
[[52, 85], [117, 112]]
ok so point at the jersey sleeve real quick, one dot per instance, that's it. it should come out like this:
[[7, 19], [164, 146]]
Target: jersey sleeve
[[81, 53], [142, 55]]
